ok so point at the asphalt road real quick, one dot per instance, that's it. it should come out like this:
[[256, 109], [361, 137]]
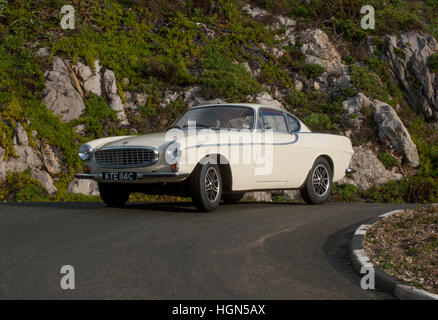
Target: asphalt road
[[170, 251]]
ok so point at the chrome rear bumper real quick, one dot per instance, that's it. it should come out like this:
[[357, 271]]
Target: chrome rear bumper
[[149, 177]]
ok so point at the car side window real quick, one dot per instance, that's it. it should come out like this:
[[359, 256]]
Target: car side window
[[274, 119], [293, 124]]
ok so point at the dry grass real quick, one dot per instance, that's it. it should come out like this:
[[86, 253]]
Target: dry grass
[[405, 245]]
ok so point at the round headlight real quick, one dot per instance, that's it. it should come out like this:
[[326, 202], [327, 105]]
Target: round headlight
[[85, 152], [173, 152]]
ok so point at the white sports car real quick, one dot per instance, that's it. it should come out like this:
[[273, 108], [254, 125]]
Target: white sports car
[[219, 152]]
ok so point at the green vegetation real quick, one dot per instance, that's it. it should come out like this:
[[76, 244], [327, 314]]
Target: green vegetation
[[21, 187], [433, 63], [225, 78], [346, 192], [99, 119], [311, 71], [388, 160], [369, 83]]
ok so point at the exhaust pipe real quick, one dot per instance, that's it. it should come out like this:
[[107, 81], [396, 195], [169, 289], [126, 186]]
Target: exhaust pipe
[[350, 171]]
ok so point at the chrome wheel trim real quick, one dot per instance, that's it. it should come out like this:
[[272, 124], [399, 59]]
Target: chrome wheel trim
[[212, 184], [320, 180]]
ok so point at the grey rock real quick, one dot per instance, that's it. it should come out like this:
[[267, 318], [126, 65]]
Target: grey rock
[[109, 84], [355, 104], [50, 160], [193, 97], [20, 135], [59, 95], [46, 181], [392, 129], [26, 158], [258, 196], [3, 172], [267, 100], [91, 80], [80, 129], [320, 50], [370, 170], [408, 56], [169, 97], [86, 187], [42, 52], [134, 100]]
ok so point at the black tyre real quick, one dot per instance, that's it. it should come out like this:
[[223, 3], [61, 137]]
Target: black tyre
[[206, 185], [318, 184], [114, 195], [232, 197]]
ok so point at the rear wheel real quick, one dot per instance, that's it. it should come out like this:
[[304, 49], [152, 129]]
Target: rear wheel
[[318, 183], [232, 197], [206, 187], [114, 195]]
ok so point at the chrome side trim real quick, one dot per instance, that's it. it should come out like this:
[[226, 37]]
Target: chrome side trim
[[247, 144]]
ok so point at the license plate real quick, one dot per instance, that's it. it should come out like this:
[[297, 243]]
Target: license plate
[[119, 176]]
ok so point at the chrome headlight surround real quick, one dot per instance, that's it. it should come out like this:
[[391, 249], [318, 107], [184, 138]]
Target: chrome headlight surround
[[173, 152], [85, 152]]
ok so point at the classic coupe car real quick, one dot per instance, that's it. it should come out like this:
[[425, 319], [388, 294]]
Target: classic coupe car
[[219, 152]]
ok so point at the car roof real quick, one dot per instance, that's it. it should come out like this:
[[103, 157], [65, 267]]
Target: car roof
[[250, 105], [254, 106]]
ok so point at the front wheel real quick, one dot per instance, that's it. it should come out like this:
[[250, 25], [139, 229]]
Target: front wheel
[[207, 187], [318, 183], [114, 195]]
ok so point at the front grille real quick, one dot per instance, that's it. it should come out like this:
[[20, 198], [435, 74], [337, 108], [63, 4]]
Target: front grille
[[126, 157]]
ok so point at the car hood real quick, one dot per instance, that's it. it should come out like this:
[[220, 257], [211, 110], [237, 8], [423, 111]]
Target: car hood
[[146, 140]]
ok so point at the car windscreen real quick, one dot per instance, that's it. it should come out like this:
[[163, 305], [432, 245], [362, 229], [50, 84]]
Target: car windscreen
[[217, 117]]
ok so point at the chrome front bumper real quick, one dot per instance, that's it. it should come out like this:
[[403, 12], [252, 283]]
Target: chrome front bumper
[[148, 177]]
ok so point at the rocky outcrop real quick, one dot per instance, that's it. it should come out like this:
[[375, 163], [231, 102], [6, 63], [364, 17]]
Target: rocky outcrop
[[50, 160], [109, 85], [267, 100], [393, 131], [86, 187], [354, 118], [91, 80], [134, 100], [318, 49], [408, 56], [27, 158], [193, 97], [60, 95], [46, 181], [66, 86], [370, 170]]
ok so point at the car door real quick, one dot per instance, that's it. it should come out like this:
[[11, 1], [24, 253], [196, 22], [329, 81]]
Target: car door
[[277, 142]]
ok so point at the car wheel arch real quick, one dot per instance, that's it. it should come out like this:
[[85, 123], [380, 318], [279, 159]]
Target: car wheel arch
[[329, 160], [224, 167]]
